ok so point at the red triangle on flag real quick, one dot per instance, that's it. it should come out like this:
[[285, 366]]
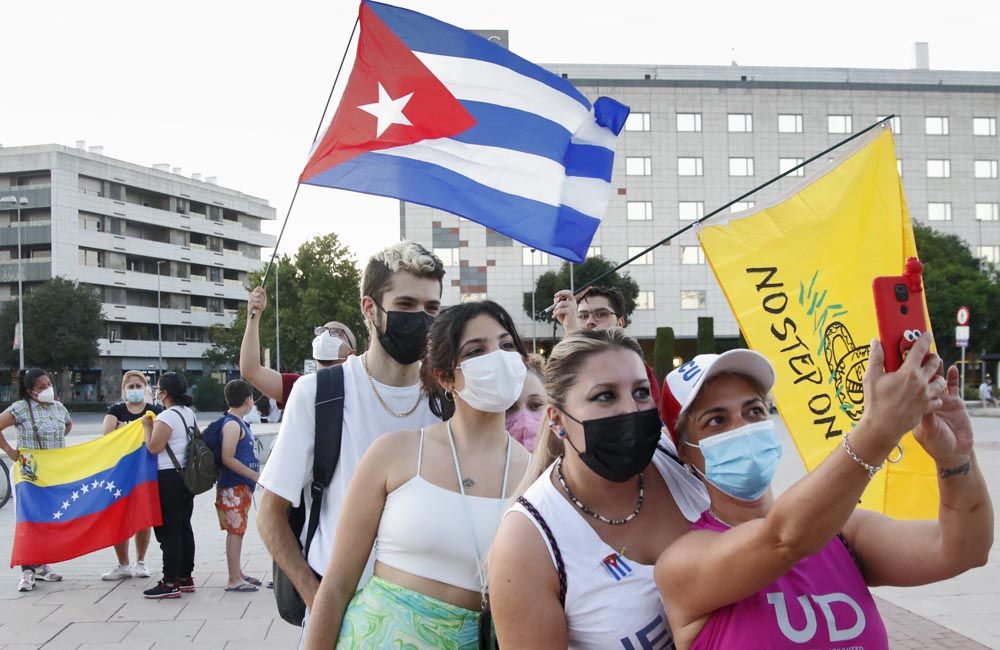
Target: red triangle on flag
[[391, 82]]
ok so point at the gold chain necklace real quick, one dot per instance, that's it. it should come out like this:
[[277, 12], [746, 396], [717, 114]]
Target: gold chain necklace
[[371, 382]]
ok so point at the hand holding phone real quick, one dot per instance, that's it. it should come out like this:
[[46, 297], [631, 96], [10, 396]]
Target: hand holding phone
[[899, 310]]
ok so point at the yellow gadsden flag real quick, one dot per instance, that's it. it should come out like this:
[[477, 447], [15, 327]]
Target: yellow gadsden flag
[[798, 277]]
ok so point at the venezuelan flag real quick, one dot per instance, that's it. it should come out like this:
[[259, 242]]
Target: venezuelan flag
[[79, 499]]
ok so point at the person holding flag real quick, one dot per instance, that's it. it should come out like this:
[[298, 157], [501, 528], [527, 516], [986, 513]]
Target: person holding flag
[[42, 423], [751, 559]]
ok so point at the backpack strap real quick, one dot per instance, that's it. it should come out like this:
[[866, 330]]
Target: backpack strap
[[560, 566], [187, 432], [329, 431]]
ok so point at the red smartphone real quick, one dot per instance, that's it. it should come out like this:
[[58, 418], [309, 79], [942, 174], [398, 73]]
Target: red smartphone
[[899, 310]]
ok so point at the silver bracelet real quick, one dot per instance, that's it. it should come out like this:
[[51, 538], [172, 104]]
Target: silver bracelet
[[871, 469]]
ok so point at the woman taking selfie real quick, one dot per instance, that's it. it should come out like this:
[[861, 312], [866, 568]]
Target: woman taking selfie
[[429, 501], [795, 571]]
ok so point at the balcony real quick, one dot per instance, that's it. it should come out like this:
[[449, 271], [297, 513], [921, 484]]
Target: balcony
[[34, 271], [194, 317], [39, 196], [151, 349], [34, 232]]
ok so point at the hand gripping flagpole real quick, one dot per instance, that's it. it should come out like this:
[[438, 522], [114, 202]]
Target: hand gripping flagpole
[[711, 214], [319, 127]]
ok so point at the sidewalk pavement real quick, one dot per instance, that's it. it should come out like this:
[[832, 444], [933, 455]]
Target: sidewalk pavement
[[84, 613]]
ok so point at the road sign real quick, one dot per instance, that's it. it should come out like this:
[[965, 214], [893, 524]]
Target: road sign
[[962, 317], [962, 336]]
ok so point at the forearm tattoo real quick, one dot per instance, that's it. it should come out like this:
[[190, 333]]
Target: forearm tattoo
[[945, 473]]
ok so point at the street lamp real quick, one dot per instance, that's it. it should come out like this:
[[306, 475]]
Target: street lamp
[[20, 290], [159, 321]]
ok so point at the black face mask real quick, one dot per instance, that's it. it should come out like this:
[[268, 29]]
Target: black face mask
[[405, 335], [621, 446]]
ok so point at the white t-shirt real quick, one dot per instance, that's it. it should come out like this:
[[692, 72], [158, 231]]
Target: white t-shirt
[[289, 468], [178, 435]]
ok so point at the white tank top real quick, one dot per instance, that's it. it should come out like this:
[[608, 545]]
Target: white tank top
[[424, 531], [611, 601]]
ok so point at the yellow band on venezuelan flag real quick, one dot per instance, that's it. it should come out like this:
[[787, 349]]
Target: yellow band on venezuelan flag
[[798, 276], [83, 460]]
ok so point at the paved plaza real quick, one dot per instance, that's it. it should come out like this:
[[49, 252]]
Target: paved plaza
[[84, 613]]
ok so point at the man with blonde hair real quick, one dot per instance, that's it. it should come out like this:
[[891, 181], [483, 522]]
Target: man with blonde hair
[[400, 295]]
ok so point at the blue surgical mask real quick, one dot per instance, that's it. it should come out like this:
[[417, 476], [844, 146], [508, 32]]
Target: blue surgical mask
[[742, 462], [135, 396]]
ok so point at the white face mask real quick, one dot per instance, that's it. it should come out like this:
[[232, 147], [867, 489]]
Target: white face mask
[[48, 395], [493, 381], [326, 347]]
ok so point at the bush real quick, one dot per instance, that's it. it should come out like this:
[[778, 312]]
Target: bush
[[664, 352], [706, 335], [208, 395]]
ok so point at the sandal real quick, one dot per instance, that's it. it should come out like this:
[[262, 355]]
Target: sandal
[[244, 587], [254, 581]]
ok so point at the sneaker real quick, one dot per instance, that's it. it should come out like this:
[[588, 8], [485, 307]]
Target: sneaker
[[162, 590], [27, 581], [120, 572], [186, 584], [46, 573], [139, 570]]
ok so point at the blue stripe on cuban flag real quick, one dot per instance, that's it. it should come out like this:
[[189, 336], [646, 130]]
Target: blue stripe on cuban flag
[[537, 165]]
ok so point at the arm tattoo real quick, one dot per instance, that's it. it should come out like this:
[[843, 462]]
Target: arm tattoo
[[946, 473]]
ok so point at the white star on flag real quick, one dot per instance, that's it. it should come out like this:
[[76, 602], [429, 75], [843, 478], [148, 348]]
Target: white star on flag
[[65, 505], [110, 486], [388, 111], [57, 514], [76, 495], [94, 484], [118, 493], [85, 488]]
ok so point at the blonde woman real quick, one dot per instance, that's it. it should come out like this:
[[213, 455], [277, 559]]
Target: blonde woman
[[135, 401], [572, 562]]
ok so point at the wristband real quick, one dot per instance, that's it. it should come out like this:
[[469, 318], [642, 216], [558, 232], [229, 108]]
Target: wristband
[[871, 469]]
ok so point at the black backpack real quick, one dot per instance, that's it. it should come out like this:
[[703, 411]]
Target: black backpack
[[200, 473], [326, 454]]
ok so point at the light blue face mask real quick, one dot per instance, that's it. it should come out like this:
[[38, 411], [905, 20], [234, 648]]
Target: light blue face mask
[[135, 396], [742, 462]]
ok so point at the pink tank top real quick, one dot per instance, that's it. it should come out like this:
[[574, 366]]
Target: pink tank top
[[822, 603]]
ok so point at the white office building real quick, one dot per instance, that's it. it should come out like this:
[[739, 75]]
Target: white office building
[[699, 136], [142, 237]]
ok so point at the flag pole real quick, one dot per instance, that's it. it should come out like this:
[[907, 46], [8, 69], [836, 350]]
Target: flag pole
[[319, 127], [739, 198]]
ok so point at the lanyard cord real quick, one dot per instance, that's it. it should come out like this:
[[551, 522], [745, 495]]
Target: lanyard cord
[[468, 513]]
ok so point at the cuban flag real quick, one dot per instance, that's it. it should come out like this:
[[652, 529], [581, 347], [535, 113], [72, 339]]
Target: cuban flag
[[439, 116], [616, 566]]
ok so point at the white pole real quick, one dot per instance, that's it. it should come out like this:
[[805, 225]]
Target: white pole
[[534, 323], [277, 317], [159, 323], [20, 291], [961, 385]]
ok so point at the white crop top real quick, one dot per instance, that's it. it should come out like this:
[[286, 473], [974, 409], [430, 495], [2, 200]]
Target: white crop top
[[611, 600], [425, 531]]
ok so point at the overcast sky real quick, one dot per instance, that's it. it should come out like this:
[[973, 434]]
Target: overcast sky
[[235, 89]]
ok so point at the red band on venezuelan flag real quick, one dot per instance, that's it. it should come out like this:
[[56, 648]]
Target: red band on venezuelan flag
[[76, 500]]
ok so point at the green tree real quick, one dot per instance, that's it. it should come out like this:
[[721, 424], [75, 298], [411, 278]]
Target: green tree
[[953, 277], [706, 335], [62, 322], [209, 394], [319, 284], [664, 351], [549, 283]]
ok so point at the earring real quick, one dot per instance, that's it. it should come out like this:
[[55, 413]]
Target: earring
[[448, 396], [561, 433]]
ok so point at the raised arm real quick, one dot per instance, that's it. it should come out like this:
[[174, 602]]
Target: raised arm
[[565, 311], [263, 379], [524, 588], [356, 531], [704, 571], [906, 553]]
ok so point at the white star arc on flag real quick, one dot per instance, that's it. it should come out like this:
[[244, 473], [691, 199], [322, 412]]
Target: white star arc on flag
[[57, 514], [388, 111]]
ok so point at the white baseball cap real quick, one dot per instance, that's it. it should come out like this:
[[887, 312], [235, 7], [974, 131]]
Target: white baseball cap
[[681, 386]]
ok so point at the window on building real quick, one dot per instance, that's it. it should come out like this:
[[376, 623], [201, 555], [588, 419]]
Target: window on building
[[114, 333], [740, 206], [988, 211], [740, 123], [594, 251], [985, 168], [639, 210], [690, 167], [536, 258], [449, 256], [89, 257], [91, 221], [646, 259], [692, 300], [692, 255], [689, 122], [939, 211], [741, 166], [637, 122], [894, 124], [690, 210], [645, 300], [989, 254], [474, 297], [984, 126], [784, 164], [638, 166], [937, 168], [790, 123], [936, 125], [838, 124]]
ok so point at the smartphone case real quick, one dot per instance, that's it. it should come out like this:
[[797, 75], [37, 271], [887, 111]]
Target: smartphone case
[[900, 322]]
